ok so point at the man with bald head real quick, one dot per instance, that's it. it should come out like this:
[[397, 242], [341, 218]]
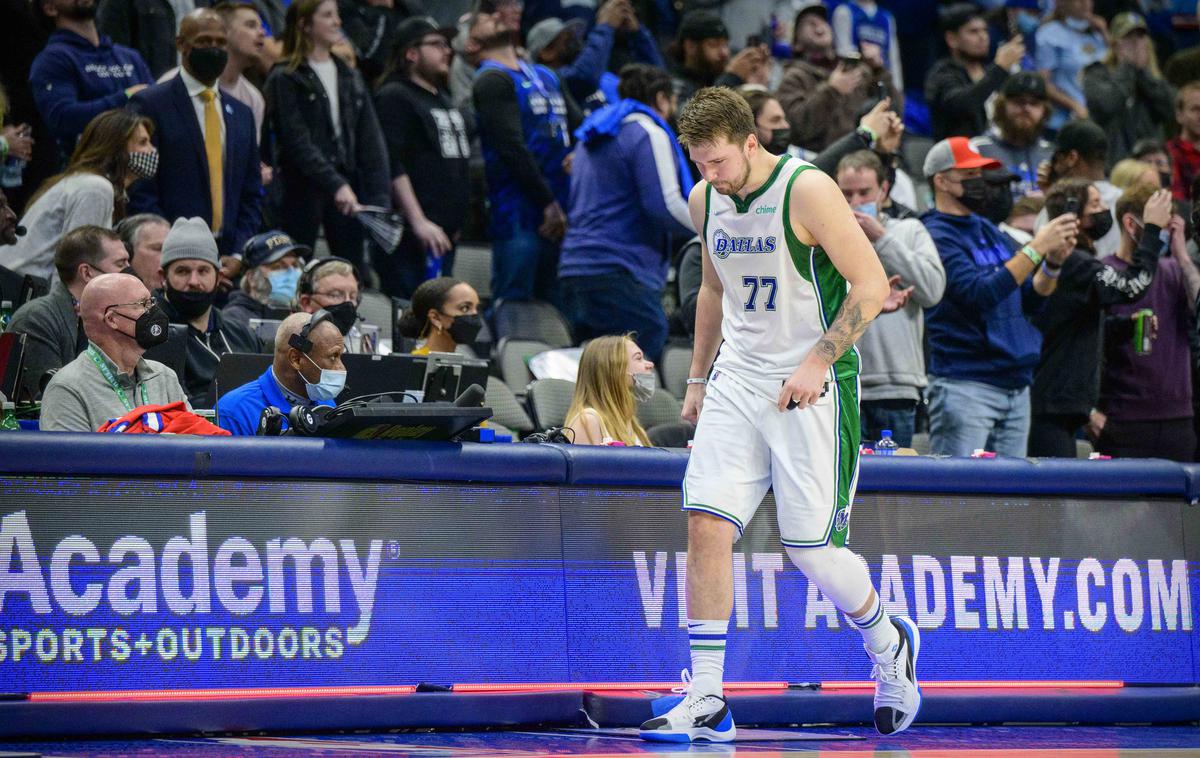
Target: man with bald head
[[207, 144], [307, 370], [111, 377]]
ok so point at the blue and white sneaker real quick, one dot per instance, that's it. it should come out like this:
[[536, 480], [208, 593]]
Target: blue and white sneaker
[[694, 717], [897, 695]]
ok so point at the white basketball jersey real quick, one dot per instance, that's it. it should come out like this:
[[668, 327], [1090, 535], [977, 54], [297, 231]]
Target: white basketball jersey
[[780, 294]]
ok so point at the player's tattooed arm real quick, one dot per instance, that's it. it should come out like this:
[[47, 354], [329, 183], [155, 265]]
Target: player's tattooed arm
[[845, 330]]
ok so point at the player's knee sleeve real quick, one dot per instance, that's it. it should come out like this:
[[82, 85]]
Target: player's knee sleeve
[[837, 571]]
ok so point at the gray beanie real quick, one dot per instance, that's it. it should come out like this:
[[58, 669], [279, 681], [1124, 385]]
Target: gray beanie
[[189, 239]]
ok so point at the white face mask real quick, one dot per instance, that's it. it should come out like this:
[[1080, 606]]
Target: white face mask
[[643, 387], [330, 385]]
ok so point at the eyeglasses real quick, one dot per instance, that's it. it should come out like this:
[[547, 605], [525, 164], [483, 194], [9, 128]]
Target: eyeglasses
[[338, 296], [440, 44], [146, 304]]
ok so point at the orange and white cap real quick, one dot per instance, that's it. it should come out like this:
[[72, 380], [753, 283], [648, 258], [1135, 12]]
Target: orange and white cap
[[955, 152]]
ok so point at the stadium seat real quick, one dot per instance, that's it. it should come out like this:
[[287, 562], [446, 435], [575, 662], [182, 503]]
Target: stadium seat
[[532, 320], [512, 356], [676, 363], [506, 409], [376, 310], [473, 264], [549, 400], [661, 408]]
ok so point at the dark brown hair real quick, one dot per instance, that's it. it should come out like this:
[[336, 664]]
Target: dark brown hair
[[83, 244], [102, 150]]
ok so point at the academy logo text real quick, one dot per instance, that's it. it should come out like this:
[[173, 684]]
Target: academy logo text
[[83, 602], [960, 592]]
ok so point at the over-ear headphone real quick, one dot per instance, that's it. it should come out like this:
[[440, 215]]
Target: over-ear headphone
[[306, 420], [302, 341], [308, 274], [270, 422]]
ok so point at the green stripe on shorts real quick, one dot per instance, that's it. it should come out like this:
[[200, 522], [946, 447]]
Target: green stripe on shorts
[[837, 529], [849, 441]]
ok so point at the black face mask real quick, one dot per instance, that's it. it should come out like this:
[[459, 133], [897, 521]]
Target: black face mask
[[344, 315], [149, 329], [780, 139], [464, 329], [1100, 225], [571, 49], [207, 63], [128, 270], [190, 304], [975, 195], [999, 202]]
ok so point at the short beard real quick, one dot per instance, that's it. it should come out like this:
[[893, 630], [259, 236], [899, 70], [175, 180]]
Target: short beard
[[436, 78], [741, 182]]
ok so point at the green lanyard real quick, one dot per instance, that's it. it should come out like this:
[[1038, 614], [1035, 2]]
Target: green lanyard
[[107, 373]]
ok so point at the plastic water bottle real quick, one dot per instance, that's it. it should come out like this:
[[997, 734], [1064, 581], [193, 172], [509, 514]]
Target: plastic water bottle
[[8, 418], [886, 445], [6, 314], [11, 175], [433, 266]]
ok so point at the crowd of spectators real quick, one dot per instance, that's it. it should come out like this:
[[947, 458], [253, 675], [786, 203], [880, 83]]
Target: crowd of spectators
[[1025, 172]]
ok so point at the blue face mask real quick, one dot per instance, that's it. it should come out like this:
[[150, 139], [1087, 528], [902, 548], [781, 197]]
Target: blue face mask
[[329, 387], [1028, 24], [868, 209], [1078, 24], [283, 286]]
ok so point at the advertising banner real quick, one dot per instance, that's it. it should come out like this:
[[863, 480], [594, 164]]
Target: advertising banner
[[151, 584]]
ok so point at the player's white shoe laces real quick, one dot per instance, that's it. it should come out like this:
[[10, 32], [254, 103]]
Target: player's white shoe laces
[[897, 695], [693, 717]]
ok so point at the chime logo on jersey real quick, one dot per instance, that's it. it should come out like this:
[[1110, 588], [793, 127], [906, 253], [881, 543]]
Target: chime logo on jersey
[[724, 245]]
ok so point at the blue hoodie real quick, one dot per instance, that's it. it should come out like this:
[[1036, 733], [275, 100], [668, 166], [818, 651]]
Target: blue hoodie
[[980, 330], [629, 187], [74, 81]]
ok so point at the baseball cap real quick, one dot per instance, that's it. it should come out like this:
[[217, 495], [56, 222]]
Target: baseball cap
[[1082, 135], [1025, 83], [269, 247], [411, 31], [810, 6], [955, 152], [1124, 23], [697, 25], [545, 31]]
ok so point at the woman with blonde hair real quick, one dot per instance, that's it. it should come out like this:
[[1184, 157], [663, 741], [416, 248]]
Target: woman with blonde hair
[[113, 152], [1130, 171], [614, 376]]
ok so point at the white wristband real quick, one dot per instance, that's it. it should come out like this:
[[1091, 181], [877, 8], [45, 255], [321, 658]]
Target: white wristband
[[697, 380]]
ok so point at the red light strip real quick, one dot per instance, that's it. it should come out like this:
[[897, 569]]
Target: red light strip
[[230, 693], [606, 686], [233, 693], [1002, 685]]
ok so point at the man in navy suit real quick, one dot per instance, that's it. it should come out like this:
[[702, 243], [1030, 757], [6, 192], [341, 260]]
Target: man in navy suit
[[207, 144]]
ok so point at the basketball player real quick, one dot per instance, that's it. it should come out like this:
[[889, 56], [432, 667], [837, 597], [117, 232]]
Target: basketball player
[[790, 282]]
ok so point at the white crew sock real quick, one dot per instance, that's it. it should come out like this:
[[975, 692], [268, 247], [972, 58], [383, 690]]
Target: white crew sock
[[707, 640], [879, 634]]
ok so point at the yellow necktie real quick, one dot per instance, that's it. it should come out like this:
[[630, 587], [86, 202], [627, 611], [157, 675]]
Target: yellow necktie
[[212, 151]]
